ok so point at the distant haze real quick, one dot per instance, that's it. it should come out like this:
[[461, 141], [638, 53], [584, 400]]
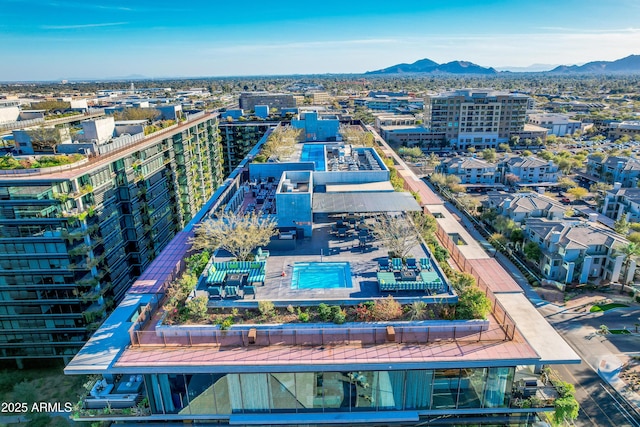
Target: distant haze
[[45, 40]]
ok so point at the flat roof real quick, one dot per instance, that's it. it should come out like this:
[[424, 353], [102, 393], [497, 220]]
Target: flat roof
[[367, 186], [373, 201], [104, 347], [545, 340]]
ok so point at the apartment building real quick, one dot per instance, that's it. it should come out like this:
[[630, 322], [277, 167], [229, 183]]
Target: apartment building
[[529, 170], [521, 206], [471, 170], [238, 138], [477, 117], [577, 251], [625, 128], [74, 238], [612, 169], [622, 201], [308, 373]]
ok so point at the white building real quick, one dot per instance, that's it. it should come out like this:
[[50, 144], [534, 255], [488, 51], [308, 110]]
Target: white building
[[557, 124]]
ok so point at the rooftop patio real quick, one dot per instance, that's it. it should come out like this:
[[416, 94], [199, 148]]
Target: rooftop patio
[[328, 244]]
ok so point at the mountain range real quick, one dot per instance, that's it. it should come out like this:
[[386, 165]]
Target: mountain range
[[630, 64]]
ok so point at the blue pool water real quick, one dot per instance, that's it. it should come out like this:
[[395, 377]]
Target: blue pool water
[[321, 275], [313, 153]]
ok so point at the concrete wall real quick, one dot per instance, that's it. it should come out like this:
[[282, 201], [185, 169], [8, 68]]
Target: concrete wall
[[130, 129], [350, 177], [258, 171], [295, 208], [30, 115], [9, 114], [101, 129], [169, 112], [79, 104]]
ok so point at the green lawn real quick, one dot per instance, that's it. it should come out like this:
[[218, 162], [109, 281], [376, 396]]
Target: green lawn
[[604, 307]]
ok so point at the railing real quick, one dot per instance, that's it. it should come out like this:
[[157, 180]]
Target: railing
[[44, 171], [123, 141], [499, 312], [21, 124], [305, 335]]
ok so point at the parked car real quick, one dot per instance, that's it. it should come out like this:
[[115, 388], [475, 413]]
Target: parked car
[[565, 200]]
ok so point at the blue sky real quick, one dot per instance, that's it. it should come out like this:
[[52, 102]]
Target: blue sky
[[55, 39]]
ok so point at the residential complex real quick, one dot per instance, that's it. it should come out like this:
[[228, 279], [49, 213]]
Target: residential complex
[[622, 201], [625, 128], [238, 138], [521, 206], [511, 170], [471, 170], [612, 169], [529, 170], [577, 251], [328, 200], [73, 238], [477, 118]]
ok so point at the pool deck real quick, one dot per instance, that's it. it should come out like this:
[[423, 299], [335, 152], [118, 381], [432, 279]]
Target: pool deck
[[324, 246]]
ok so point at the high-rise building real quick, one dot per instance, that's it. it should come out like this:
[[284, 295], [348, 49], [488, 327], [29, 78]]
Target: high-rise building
[[74, 238], [477, 117], [306, 366], [238, 138], [249, 100]]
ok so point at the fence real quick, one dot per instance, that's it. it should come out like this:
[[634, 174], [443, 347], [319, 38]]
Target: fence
[[497, 309]]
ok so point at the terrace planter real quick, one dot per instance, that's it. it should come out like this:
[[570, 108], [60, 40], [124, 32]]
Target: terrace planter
[[433, 326]]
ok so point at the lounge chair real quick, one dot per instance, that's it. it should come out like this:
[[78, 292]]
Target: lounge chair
[[249, 290], [230, 292], [396, 264], [214, 291], [383, 264], [425, 264], [411, 264], [261, 255]]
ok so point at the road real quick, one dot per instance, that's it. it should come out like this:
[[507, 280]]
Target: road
[[599, 403]]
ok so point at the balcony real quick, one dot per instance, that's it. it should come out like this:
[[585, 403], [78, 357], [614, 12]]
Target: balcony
[[126, 397]]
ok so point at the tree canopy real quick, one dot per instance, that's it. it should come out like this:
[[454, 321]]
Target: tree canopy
[[237, 234]]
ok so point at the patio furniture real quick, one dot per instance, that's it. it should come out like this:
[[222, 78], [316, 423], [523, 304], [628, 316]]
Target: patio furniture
[[230, 292], [216, 276], [408, 275], [261, 255], [396, 264], [425, 264], [214, 292], [386, 281], [383, 264], [411, 264], [234, 279], [249, 290]]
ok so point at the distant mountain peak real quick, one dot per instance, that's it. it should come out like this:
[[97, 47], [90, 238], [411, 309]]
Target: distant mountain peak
[[628, 64], [428, 66]]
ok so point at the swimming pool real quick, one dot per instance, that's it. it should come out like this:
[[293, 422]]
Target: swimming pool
[[321, 275], [313, 153]]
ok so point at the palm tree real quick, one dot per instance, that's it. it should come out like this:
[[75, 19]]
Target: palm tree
[[630, 252]]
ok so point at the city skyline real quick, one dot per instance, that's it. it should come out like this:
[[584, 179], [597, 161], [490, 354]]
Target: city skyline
[[51, 40]]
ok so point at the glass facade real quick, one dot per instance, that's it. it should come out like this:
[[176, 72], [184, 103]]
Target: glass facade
[[339, 391], [85, 239]]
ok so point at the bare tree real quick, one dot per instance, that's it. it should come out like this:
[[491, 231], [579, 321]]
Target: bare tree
[[355, 135], [397, 234], [281, 142], [237, 234]]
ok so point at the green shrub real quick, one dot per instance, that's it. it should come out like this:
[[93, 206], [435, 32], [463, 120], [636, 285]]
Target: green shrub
[[303, 316], [266, 308], [325, 312]]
